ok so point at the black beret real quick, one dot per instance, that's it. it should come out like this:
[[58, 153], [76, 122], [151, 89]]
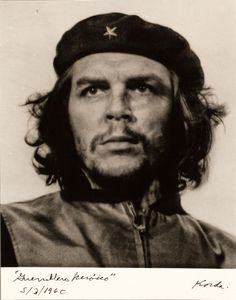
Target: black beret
[[116, 32]]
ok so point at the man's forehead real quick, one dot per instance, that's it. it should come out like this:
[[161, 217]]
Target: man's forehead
[[118, 64]]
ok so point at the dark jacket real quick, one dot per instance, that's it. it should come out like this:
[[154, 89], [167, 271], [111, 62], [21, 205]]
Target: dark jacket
[[50, 231]]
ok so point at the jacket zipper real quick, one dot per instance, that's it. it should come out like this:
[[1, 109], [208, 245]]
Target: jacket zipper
[[141, 225]]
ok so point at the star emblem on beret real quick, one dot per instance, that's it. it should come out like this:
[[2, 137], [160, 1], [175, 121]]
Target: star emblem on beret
[[110, 32]]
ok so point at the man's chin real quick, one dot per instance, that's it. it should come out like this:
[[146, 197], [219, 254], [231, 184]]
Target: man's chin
[[116, 174]]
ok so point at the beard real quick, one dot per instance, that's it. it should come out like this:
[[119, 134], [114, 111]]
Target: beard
[[124, 169]]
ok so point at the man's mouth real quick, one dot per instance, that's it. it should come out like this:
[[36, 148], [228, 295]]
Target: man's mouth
[[120, 140]]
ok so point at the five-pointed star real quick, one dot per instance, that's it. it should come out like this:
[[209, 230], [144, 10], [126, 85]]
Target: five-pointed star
[[110, 31]]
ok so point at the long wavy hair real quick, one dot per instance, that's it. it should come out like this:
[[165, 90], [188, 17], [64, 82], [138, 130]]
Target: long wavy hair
[[193, 122]]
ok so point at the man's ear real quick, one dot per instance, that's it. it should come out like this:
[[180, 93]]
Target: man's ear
[[174, 83]]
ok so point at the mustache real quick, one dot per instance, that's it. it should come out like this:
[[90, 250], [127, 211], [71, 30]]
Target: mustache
[[129, 133]]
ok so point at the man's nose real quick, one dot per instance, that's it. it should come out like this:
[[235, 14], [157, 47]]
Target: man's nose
[[118, 108]]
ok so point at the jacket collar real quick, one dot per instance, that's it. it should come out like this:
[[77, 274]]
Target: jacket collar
[[167, 202]]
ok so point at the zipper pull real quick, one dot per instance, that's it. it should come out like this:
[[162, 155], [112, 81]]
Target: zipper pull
[[141, 220]]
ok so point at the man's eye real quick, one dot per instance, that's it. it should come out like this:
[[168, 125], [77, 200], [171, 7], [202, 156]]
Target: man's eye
[[94, 90], [142, 88], [90, 91]]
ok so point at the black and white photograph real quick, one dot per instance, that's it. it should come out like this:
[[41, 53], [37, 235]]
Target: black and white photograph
[[118, 134]]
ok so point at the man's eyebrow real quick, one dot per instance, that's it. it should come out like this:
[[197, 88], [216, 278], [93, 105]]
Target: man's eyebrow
[[159, 84], [150, 76], [161, 87], [90, 80]]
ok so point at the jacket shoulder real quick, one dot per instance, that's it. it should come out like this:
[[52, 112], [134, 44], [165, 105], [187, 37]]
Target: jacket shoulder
[[39, 205], [223, 240]]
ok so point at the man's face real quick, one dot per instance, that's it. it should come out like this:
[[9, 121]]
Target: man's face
[[119, 110]]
